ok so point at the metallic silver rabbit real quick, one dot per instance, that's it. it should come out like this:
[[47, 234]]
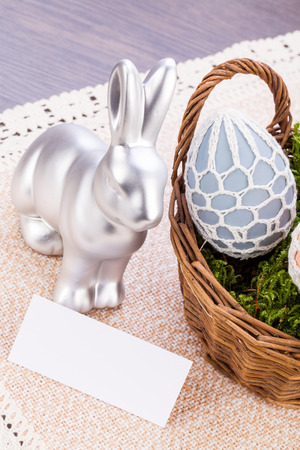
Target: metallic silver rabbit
[[91, 203]]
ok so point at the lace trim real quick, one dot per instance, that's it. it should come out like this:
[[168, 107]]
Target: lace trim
[[21, 125], [15, 431]]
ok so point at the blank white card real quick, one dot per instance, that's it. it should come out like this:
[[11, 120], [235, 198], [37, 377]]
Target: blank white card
[[99, 360]]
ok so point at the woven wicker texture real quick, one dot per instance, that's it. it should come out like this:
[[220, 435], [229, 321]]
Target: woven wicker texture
[[256, 355]]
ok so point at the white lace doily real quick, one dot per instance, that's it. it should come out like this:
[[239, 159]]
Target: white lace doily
[[21, 125], [15, 431]]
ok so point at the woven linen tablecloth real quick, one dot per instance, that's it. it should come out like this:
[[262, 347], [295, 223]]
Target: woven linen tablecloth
[[212, 411]]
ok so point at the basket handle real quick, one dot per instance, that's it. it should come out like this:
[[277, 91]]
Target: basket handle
[[280, 127]]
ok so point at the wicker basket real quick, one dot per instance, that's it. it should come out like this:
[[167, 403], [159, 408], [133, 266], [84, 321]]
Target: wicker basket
[[256, 355]]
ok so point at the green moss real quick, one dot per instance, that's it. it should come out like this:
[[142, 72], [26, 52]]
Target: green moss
[[264, 287]]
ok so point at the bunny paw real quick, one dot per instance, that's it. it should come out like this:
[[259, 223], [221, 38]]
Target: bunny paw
[[78, 299], [109, 294], [40, 236]]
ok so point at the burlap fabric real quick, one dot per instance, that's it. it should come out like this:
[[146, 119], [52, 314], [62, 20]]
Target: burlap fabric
[[212, 412]]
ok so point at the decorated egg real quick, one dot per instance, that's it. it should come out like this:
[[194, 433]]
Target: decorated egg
[[240, 190], [294, 256]]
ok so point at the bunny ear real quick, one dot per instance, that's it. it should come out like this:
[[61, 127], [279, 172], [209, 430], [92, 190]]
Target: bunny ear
[[159, 87], [125, 103]]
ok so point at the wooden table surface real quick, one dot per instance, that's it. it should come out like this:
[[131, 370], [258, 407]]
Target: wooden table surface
[[51, 46]]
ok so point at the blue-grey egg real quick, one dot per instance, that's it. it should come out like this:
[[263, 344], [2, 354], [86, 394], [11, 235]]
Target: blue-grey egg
[[240, 190]]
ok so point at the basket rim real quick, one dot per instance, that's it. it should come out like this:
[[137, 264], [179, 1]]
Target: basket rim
[[182, 228]]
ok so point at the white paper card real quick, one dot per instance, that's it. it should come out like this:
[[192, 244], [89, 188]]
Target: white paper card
[[99, 360]]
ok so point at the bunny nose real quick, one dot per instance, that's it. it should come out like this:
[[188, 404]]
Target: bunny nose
[[151, 221], [152, 214], [146, 224]]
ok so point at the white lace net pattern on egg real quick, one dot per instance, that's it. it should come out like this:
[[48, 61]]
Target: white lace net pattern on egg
[[242, 198]]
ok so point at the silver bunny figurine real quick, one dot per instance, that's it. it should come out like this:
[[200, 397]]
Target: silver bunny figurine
[[93, 203]]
